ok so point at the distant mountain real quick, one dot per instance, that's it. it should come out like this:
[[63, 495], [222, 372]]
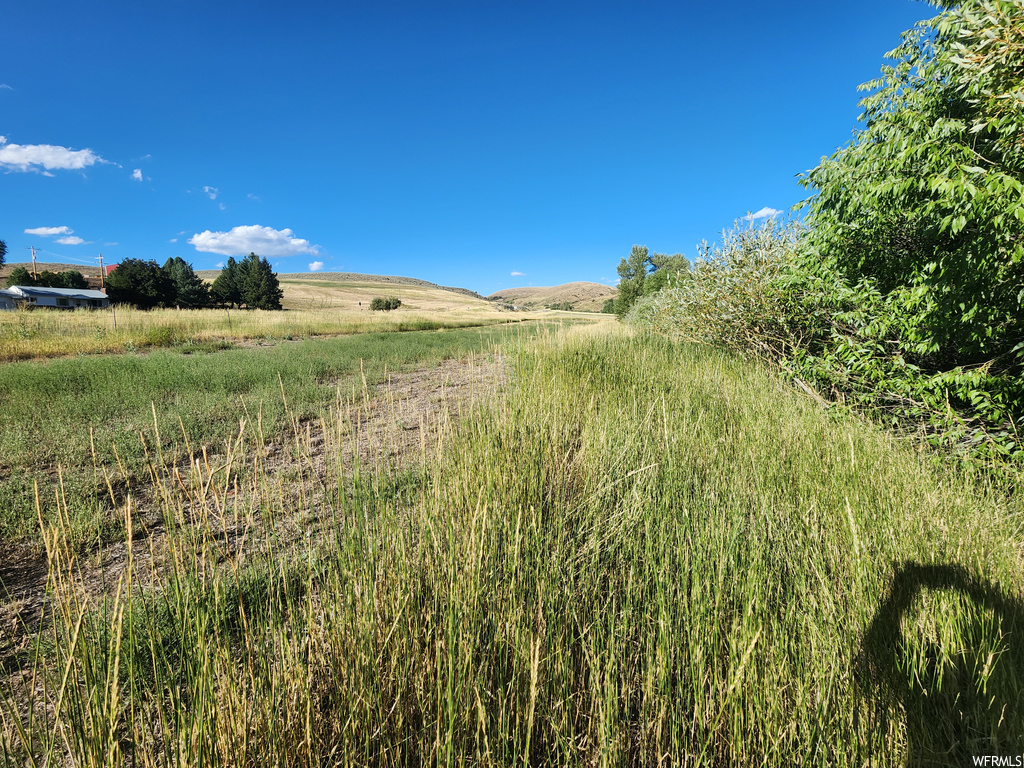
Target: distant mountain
[[585, 297]]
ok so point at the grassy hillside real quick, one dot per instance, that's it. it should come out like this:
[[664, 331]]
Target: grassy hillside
[[342, 291], [91, 274], [587, 297], [639, 553], [9, 267]]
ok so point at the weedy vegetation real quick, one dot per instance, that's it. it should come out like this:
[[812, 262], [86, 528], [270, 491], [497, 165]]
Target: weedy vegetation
[[640, 552], [62, 418], [32, 334], [648, 547]]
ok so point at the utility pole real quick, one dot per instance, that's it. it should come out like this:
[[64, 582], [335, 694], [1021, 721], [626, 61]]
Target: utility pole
[[103, 285], [33, 249]]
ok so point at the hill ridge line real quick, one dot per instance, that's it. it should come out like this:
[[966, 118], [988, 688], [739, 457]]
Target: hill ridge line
[[360, 277]]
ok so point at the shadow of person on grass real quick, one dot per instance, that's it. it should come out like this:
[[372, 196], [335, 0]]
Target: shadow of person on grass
[[958, 702]]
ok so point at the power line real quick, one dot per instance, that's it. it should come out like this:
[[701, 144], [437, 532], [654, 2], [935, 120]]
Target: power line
[[65, 259]]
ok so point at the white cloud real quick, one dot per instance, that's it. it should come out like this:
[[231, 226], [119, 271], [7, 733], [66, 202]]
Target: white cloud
[[764, 213], [173, 240], [70, 240], [5, 87], [518, 274], [316, 266], [265, 241], [137, 174], [115, 243], [211, 191], [49, 231], [43, 158], [257, 198], [222, 206], [219, 265]]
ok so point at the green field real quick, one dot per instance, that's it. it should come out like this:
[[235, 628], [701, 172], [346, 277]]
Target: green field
[[639, 552], [68, 414]]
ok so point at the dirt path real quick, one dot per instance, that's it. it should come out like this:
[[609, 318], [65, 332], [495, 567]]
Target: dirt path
[[390, 429]]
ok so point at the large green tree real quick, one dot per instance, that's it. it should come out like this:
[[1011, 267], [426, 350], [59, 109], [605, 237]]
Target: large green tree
[[225, 290], [141, 283], [645, 273], [632, 274], [20, 276], [257, 283], [664, 271], [3, 252], [190, 292], [72, 278]]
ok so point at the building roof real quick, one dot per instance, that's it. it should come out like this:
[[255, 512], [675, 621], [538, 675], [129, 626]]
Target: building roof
[[64, 293]]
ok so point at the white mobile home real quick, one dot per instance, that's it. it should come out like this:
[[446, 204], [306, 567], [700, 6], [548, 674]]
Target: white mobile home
[[59, 298], [7, 300]]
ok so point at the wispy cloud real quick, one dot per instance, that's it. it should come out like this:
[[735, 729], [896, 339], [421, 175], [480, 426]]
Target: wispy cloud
[[137, 174], [241, 241], [517, 274], [222, 206], [49, 231], [211, 192], [70, 240], [43, 158], [257, 198], [764, 213], [219, 265], [316, 266], [173, 240], [5, 87]]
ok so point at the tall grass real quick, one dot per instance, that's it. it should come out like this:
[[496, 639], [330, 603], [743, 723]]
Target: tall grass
[[642, 553], [31, 334], [59, 417]]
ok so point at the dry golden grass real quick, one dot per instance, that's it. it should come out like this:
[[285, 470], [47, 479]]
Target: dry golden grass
[[321, 292], [316, 306], [33, 334], [586, 297]]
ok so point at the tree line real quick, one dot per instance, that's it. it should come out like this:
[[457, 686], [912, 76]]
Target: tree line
[[249, 283], [47, 279]]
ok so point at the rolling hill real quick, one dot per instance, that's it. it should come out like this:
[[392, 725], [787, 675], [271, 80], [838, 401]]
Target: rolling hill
[[345, 290], [583, 296]]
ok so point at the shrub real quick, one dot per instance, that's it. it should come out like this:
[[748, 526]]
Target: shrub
[[381, 304], [762, 294], [734, 297]]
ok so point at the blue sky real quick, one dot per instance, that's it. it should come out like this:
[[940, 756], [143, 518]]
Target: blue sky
[[458, 142]]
